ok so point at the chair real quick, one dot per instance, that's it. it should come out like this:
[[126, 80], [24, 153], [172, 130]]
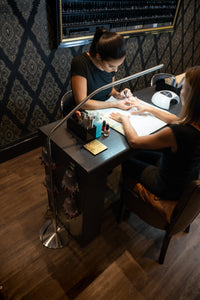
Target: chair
[[165, 81], [171, 216], [163, 76], [67, 103]]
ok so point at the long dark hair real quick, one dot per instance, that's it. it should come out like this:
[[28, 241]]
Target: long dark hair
[[109, 45], [191, 108]]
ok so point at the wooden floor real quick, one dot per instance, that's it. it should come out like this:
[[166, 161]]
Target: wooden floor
[[121, 263]]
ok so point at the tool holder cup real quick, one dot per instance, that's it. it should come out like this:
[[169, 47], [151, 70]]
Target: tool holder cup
[[86, 134]]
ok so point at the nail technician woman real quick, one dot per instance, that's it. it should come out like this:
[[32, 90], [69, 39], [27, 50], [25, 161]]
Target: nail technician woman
[[97, 68]]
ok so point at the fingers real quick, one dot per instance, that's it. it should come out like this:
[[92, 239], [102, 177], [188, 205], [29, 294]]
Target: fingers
[[135, 112], [128, 107], [115, 116], [138, 109], [128, 102], [126, 93], [134, 100], [124, 104]]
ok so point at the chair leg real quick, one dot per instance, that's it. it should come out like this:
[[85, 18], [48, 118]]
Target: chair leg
[[121, 212], [164, 248], [187, 229], [122, 206]]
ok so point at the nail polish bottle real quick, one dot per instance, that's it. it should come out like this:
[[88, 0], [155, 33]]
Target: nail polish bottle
[[103, 126], [98, 124], [107, 130]]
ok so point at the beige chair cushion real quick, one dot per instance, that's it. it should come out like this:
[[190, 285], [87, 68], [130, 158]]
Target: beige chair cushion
[[152, 209], [163, 207]]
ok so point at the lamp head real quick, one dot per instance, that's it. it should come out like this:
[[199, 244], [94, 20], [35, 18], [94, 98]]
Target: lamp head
[[164, 98]]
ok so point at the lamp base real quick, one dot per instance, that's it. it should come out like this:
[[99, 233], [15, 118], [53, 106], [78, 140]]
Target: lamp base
[[52, 239]]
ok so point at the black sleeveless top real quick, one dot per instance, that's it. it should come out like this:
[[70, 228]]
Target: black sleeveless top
[[178, 168], [83, 66]]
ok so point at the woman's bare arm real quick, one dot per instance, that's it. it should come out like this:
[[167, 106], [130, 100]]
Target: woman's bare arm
[[163, 115], [161, 139], [79, 87]]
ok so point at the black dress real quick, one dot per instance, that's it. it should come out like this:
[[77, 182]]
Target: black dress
[[166, 173]]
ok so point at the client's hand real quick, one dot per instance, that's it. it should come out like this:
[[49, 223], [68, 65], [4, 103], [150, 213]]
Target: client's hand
[[139, 106], [123, 104], [118, 117]]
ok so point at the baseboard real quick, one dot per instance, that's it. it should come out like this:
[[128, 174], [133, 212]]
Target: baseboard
[[20, 147]]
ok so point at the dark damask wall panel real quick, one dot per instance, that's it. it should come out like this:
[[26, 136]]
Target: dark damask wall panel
[[33, 76]]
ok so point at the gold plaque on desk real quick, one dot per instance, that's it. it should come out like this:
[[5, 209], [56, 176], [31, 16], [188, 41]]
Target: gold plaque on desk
[[95, 147]]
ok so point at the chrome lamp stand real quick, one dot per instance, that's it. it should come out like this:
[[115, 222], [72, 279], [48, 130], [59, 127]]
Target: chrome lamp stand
[[52, 234]]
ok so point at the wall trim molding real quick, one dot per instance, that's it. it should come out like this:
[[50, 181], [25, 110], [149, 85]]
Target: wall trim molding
[[25, 145]]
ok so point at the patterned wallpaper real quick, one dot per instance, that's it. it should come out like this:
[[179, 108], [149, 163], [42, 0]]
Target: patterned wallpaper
[[33, 77]]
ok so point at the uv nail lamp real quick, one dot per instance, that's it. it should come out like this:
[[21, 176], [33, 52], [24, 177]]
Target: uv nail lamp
[[164, 98]]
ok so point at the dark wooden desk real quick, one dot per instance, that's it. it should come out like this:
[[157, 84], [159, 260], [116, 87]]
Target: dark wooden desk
[[91, 170], [92, 175]]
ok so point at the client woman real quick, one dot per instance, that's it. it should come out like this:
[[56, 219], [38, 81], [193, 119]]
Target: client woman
[[169, 158]]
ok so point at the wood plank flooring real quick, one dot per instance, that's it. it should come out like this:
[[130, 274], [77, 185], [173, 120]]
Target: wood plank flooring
[[121, 263]]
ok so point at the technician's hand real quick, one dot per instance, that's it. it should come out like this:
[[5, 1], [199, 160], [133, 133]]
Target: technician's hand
[[118, 117], [126, 93], [123, 95]]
